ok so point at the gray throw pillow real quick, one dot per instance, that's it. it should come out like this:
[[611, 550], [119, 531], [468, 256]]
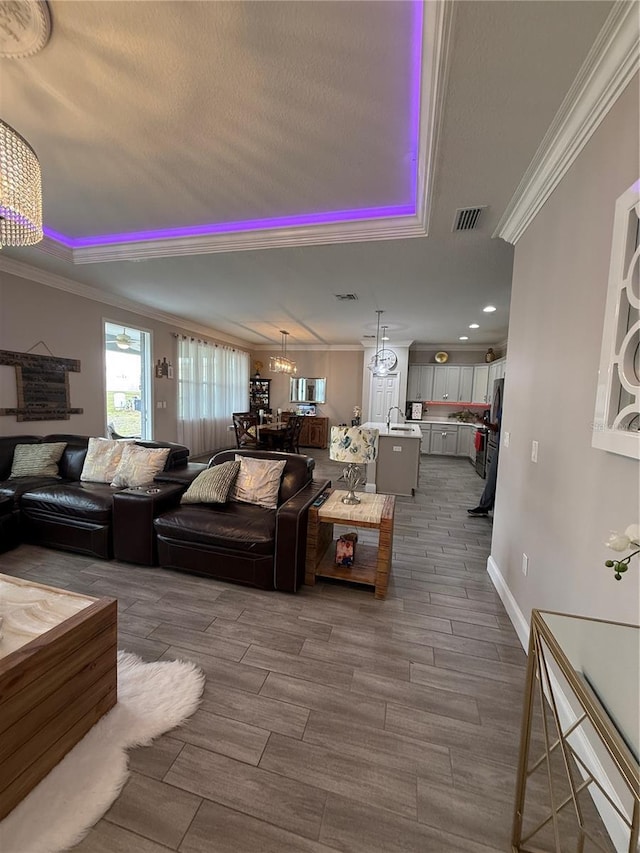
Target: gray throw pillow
[[213, 485], [37, 460]]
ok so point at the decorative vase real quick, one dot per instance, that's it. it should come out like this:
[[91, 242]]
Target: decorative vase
[[490, 355]]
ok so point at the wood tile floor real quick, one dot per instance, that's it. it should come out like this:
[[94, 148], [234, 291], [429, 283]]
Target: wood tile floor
[[330, 721]]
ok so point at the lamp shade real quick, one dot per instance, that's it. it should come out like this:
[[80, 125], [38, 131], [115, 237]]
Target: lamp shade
[[353, 444]]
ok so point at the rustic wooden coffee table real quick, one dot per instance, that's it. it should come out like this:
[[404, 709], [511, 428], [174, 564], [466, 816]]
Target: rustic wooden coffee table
[[372, 564], [58, 676]]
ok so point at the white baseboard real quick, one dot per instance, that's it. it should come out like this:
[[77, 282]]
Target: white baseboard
[[614, 824]]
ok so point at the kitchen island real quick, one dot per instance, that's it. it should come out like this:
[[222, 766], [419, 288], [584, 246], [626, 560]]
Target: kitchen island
[[396, 470]]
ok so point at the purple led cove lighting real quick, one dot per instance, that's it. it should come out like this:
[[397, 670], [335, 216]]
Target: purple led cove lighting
[[324, 218], [234, 227]]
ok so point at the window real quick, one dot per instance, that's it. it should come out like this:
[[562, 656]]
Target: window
[[213, 382], [128, 381]]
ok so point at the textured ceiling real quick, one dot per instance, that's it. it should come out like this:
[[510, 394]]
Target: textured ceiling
[[155, 114]]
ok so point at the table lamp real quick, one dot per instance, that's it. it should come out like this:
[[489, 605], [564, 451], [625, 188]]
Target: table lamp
[[356, 446]]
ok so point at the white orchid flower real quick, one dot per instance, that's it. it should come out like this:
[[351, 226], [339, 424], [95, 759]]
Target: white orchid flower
[[633, 534], [618, 541]]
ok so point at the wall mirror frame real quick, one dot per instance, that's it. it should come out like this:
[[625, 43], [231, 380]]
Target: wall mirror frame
[[307, 390]]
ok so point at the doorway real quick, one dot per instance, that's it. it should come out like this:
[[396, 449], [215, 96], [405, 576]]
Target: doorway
[[127, 381], [384, 393]]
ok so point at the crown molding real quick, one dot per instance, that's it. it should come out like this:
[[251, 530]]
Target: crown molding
[[52, 247], [309, 348], [608, 68], [394, 228], [49, 279], [436, 63]]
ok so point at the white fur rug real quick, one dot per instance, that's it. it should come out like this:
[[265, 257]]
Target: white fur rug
[[152, 699]]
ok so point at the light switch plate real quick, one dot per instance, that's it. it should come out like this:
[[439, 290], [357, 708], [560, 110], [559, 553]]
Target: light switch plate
[[534, 451], [507, 439], [397, 448]]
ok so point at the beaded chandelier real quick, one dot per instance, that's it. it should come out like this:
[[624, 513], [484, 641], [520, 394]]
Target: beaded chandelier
[[20, 190]]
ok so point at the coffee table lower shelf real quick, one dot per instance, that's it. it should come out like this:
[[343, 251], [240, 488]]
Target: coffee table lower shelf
[[362, 571], [372, 564]]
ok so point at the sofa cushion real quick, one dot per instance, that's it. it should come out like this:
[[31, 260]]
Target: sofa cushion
[[213, 485], [258, 481], [231, 526], [85, 501], [14, 489], [102, 460], [139, 465]]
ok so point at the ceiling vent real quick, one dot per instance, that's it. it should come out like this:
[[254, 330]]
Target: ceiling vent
[[346, 297], [466, 218]]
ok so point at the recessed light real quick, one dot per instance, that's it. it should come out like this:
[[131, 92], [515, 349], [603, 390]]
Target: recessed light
[[463, 338], [489, 309], [474, 326]]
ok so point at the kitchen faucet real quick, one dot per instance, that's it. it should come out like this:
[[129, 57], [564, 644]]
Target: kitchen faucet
[[389, 415]]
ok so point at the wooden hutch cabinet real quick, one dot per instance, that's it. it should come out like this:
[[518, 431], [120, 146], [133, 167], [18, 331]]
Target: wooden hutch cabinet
[[315, 431], [259, 395]]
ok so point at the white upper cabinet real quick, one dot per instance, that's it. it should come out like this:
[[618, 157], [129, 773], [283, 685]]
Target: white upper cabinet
[[480, 383], [496, 371], [465, 389], [420, 384], [446, 384]]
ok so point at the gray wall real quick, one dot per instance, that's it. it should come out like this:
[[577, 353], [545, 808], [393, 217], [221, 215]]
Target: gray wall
[[560, 510], [342, 369], [71, 327]]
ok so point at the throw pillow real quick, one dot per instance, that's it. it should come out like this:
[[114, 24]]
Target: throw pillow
[[139, 465], [213, 485], [37, 460], [258, 481], [102, 460]]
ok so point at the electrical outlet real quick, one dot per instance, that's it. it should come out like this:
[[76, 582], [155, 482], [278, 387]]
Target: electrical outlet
[[534, 451], [507, 439], [525, 564], [397, 448]]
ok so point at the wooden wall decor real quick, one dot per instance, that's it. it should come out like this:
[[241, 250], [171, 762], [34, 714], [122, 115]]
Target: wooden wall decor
[[43, 386]]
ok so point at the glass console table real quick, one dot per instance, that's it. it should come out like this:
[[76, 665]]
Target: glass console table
[[589, 672]]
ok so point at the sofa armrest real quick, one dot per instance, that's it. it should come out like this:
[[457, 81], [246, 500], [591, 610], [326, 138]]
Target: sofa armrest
[[291, 536], [134, 536]]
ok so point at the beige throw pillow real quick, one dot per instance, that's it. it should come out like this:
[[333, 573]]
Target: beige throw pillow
[[37, 460], [258, 481], [102, 460], [139, 465], [213, 485]]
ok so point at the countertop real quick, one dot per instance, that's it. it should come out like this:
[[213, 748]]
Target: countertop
[[442, 421], [408, 430]]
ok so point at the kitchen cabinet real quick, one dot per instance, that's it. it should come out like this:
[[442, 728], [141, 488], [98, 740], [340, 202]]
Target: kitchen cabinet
[[446, 383], [465, 437], [420, 383], [496, 371], [480, 383], [465, 388], [425, 443], [444, 440]]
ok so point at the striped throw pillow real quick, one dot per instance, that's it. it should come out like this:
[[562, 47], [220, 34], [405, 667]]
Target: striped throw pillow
[[213, 485], [37, 460]]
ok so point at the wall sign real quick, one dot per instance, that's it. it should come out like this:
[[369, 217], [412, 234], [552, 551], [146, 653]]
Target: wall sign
[[43, 386]]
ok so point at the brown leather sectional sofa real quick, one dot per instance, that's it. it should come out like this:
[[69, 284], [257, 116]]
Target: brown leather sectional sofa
[[238, 542]]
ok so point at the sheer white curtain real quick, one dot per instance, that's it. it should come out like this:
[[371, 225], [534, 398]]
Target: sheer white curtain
[[213, 382]]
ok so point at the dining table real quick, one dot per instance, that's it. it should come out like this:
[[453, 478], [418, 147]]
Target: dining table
[[272, 433]]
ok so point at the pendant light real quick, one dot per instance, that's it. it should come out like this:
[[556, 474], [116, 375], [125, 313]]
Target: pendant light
[[377, 367], [280, 363]]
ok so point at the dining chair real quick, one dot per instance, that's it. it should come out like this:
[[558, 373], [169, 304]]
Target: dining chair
[[290, 441], [245, 425]]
